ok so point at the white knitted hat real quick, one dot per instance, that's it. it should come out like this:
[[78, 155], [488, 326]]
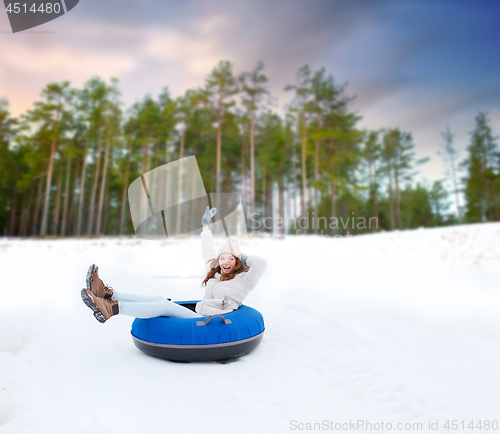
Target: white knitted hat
[[231, 246]]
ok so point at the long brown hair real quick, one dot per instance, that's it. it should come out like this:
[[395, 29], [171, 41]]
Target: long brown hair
[[215, 268]]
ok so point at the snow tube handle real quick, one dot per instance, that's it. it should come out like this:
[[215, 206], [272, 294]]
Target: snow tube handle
[[207, 320]]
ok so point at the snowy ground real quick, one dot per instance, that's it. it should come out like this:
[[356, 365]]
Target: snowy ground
[[399, 327]]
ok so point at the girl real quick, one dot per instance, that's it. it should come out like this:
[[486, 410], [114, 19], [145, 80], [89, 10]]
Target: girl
[[231, 276]]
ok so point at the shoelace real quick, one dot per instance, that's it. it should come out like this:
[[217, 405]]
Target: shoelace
[[100, 280], [106, 285]]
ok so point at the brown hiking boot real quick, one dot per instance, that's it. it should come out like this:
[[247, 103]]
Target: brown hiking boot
[[103, 308], [96, 285]]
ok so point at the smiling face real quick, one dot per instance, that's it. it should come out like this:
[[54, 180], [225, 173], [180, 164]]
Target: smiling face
[[226, 262]]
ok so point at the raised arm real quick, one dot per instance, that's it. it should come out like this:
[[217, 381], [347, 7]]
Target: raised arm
[[257, 266], [207, 240], [207, 246]]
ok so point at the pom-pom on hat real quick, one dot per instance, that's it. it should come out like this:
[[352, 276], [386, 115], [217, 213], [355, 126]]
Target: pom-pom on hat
[[230, 246]]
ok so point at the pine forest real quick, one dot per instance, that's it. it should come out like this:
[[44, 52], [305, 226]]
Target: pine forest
[[66, 164]]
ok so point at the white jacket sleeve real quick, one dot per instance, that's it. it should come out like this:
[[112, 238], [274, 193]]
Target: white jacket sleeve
[[207, 247], [257, 266]]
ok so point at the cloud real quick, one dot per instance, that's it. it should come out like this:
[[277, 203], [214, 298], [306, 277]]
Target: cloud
[[194, 54], [63, 60], [154, 43], [494, 116], [417, 65]]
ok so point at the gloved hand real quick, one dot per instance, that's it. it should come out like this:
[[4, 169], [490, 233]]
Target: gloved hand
[[209, 213], [244, 260]]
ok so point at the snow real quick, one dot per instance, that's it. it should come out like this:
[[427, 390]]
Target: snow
[[399, 327]]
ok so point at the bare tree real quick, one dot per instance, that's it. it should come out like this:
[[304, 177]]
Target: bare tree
[[450, 155]]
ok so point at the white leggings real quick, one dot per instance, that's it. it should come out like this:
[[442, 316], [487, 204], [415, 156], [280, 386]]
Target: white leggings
[[150, 306]]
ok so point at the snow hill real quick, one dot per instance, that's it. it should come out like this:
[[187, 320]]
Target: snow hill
[[398, 327]]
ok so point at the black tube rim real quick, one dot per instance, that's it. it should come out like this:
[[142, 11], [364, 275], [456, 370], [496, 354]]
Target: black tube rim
[[196, 347]]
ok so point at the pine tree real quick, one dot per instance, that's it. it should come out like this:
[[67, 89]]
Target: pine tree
[[52, 114], [273, 143], [301, 106], [221, 85], [438, 196], [336, 139], [482, 174], [254, 91], [399, 163], [90, 106], [112, 121], [372, 156], [7, 162]]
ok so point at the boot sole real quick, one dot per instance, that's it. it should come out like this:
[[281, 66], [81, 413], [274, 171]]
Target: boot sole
[[87, 299], [89, 275]]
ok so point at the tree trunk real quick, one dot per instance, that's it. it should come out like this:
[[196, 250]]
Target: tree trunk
[[374, 196], [334, 205], [45, 213], [410, 213], [145, 161], [495, 202], [304, 173], [316, 178], [389, 187], [456, 191], [243, 172], [11, 225], [398, 201], [294, 184], [73, 201], [27, 213], [316, 173], [55, 221], [488, 198], [264, 199], [219, 146], [270, 200], [64, 223], [281, 206], [181, 154], [178, 217], [183, 140], [486, 188], [95, 179], [38, 203], [332, 186], [22, 215], [103, 184], [252, 161], [105, 211], [391, 206], [82, 190], [124, 191]]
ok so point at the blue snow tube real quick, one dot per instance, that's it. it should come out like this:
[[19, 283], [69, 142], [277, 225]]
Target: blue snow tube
[[216, 337]]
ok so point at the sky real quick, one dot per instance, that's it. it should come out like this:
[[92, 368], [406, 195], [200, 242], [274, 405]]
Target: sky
[[419, 65]]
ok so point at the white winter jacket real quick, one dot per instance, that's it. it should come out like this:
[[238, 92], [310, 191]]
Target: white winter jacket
[[227, 295]]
